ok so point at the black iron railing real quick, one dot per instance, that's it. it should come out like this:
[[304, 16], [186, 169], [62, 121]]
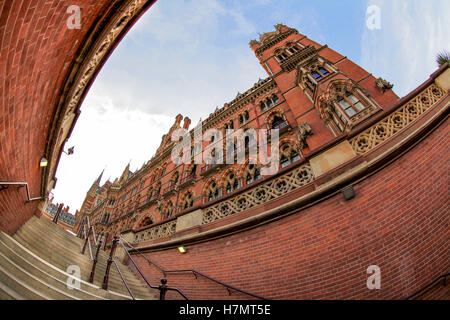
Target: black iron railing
[[163, 288], [418, 293], [196, 273]]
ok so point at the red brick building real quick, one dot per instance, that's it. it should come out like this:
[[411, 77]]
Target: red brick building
[[363, 180], [335, 121]]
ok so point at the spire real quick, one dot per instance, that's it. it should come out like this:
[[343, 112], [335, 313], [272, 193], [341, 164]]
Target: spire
[[99, 177]]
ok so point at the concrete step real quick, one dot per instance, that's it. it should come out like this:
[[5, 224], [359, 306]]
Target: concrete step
[[63, 259], [54, 248], [28, 261], [43, 276], [34, 262], [9, 294]]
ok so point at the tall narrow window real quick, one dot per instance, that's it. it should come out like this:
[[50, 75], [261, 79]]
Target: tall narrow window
[[263, 106], [246, 116], [275, 99], [213, 192]]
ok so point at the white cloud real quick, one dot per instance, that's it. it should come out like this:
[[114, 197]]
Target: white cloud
[[404, 50], [105, 138], [176, 59]]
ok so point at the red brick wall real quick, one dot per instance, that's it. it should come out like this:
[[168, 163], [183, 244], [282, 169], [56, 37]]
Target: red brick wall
[[398, 220], [36, 52]]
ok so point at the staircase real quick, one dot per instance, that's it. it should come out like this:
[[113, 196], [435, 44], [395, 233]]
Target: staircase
[[34, 264]]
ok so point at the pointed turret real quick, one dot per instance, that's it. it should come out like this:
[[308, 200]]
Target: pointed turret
[[99, 177]]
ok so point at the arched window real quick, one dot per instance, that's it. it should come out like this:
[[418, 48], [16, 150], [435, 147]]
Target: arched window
[[188, 201], [288, 155], [246, 116], [278, 122], [167, 213], [156, 191], [253, 173], [275, 99], [263, 106], [173, 182], [344, 105], [268, 103], [213, 191], [241, 119], [191, 172], [232, 183]]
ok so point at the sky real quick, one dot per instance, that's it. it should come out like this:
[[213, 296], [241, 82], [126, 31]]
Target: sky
[[191, 56]]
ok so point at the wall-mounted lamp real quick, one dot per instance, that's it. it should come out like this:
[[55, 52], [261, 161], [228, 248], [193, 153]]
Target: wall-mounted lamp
[[348, 192], [43, 162], [69, 151], [182, 249]]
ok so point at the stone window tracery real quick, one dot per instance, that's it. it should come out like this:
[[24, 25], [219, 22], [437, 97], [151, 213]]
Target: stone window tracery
[[212, 191], [232, 183], [167, 210], [345, 105], [188, 200], [288, 155], [252, 173]]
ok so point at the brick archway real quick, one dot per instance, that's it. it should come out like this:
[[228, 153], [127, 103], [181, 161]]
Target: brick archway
[[47, 70]]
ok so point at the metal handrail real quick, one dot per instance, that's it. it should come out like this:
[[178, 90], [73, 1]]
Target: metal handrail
[[162, 288], [93, 229], [195, 272], [444, 276], [123, 280], [19, 183], [90, 250]]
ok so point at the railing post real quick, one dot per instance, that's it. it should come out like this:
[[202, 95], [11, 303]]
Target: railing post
[[56, 217], [80, 229], [87, 239], [106, 241], [162, 289], [94, 263], [108, 265]]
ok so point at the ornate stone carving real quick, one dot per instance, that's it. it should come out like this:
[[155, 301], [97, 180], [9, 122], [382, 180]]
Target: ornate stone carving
[[303, 132], [383, 85], [397, 121]]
